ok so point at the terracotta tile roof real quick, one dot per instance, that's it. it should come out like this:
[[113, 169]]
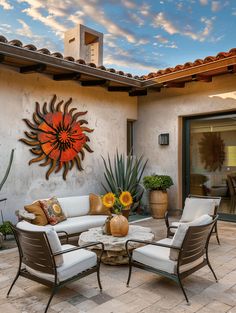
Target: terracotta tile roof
[[31, 47], [143, 81], [208, 59]]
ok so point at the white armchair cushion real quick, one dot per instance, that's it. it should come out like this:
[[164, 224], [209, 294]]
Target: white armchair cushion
[[195, 207], [181, 232], [51, 235], [158, 258], [75, 262]]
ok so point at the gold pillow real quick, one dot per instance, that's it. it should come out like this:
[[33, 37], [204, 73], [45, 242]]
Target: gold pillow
[[96, 206], [36, 209]]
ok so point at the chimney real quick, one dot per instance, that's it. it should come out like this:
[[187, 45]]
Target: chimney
[[84, 43]]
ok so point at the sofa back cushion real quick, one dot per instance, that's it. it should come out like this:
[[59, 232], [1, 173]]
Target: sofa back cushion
[[75, 206], [195, 207], [181, 232], [51, 235]]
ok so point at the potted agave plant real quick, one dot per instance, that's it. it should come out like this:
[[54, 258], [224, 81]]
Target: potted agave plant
[[158, 198], [119, 225]]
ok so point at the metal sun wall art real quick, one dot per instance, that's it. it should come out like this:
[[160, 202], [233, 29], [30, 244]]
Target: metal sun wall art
[[57, 137], [212, 151]]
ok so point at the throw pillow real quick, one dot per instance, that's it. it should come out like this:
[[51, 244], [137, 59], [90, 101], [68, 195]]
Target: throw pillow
[[181, 232], [53, 211], [96, 206], [36, 209]]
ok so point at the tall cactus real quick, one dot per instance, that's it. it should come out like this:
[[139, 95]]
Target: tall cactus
[[7, 170]]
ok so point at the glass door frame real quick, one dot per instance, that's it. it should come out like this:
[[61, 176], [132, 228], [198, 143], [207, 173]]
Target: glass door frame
[[186, 156]]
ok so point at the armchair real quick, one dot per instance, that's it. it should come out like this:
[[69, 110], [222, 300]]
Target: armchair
[[176, 258], [194, 207], [44, 260]]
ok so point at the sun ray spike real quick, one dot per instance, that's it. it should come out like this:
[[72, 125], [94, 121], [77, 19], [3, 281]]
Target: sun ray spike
[[67, 105], [65, 170], [38, 110], [58, 108], [30, 135], [72, 163], [45, 111], [31, 125], [82, 154], [47, 162], [86, 129], [78, 163], [51, 169], [59, 166], [52, 108], [82, 122], [36, 151], [79, 114], [30, 143], [38, 159], [88, 148], [36, 119]]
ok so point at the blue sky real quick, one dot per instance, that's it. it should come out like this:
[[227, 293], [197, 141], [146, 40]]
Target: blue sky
[[139, 36]]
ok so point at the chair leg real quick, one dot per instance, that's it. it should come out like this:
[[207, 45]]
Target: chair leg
[[15, 279], [98, 277], [217, 237], [182, 288], [209, 264], [129, 276], [50, 299]]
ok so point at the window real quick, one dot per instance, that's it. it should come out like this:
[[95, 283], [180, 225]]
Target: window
[[130, 136]]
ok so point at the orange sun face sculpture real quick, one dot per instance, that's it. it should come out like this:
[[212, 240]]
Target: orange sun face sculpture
[[57, 137]]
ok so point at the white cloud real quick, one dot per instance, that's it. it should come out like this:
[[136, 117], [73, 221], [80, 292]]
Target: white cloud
[[6, 5], [25, 30], [161, 39], [128, 4], [136, 19], [160, 21], [145, 9], [215, 6], [203, 2]]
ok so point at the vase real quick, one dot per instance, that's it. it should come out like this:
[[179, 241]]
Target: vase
[[125, 212], [119, 226], [107, 226], [158, 203]]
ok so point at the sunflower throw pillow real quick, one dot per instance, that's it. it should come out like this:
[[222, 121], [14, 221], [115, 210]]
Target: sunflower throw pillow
[[53, 210]]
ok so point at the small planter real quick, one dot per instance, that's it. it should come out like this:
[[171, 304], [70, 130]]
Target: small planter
[[158, 201], [119, 226], [1, 240]]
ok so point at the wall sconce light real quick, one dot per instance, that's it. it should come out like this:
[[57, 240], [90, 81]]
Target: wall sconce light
[[163, 139]]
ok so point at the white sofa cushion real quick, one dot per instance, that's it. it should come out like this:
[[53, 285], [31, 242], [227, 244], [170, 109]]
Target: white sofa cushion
[[195, 207], [79, 224], [158, 258], [75, 262], [181, 232], [75, 206], [51, 235]]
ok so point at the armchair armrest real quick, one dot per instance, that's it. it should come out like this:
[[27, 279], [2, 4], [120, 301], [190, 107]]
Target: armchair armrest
[[167, 216], [65, 234], [148, 243]]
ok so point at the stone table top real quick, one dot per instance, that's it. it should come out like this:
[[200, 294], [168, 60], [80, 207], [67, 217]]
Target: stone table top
[[116, 243]]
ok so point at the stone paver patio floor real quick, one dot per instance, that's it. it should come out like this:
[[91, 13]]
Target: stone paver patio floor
[[148, 293]]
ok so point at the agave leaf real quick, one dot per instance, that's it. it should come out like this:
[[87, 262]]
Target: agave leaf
[[8, 169]]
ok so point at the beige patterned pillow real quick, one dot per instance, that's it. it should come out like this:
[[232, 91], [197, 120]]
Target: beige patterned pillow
[[53, 210]]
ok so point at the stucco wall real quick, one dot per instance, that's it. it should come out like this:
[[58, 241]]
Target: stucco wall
[[158, 113], [107, 115]]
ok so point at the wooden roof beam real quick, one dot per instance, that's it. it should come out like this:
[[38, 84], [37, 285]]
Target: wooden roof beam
[[119, 88], [138, 92], [231, 69], [36, 68], [67, 76], [2, 58], [202, 78], [174, 85], [97, 82]]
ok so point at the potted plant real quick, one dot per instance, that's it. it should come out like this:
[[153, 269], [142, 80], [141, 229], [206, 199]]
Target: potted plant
[[158, 199]]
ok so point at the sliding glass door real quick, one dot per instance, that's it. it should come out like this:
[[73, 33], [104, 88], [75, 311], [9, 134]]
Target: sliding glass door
[[210, 160]]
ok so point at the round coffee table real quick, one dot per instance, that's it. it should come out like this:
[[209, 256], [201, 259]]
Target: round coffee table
[[114, 247]]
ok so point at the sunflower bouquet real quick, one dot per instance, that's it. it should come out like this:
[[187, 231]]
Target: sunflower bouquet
[[117, 203]]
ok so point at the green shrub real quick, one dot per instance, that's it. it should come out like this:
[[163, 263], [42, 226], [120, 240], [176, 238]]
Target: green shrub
[[157, 182], [5, 228]]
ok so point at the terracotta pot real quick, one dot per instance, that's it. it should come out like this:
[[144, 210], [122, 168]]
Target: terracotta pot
[[158, 201], [125, 212], [119, 226]]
